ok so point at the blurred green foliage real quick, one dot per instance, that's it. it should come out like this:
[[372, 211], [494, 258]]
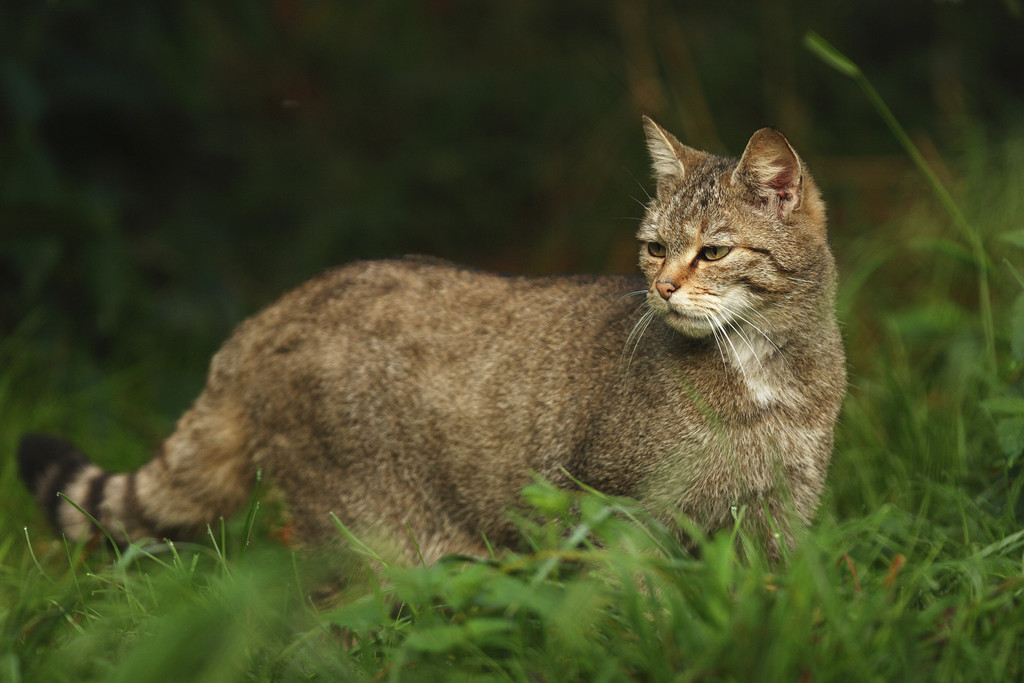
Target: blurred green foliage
[[169, 167]]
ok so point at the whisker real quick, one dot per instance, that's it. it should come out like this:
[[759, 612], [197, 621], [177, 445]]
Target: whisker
[[643, 303], [650, 319], [718, 342], [635, 334], [751, 323], [633, 330], [743, 370], [638, 202], [639, 306], [646, 320], [760, 331], [760, 315], [746, 341], [641, 186]]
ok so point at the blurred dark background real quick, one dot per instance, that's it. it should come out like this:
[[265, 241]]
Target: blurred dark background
[[168, 167]]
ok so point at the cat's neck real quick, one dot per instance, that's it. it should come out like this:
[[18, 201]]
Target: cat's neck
[[760, 362]]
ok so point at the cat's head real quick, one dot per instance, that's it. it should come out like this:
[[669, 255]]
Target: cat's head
[[731, 240]]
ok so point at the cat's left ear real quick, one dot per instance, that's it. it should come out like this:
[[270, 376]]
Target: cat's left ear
[[670, 159], [771, 168]]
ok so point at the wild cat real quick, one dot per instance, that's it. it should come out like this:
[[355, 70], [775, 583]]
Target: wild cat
[[413, 399]]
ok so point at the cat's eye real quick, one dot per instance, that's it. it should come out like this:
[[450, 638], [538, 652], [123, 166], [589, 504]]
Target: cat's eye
[[656, 249], [714, 253]]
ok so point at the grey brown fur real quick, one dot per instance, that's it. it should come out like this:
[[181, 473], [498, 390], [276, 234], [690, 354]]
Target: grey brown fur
[[413, 392]]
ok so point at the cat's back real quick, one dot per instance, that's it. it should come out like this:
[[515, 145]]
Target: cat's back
[[416, 301], [397, 342], [406, 284]]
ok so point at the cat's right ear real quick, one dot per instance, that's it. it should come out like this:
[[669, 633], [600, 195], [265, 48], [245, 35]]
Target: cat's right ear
[[670, 159]]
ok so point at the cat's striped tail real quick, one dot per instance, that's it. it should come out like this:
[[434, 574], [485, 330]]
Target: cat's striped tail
[[56, 472], [198, 475]]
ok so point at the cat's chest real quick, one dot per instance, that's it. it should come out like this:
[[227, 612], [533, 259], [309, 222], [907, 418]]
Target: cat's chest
[[741, 424], [727, 379]]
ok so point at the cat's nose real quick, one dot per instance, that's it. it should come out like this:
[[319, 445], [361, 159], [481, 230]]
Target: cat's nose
[[665, 288]]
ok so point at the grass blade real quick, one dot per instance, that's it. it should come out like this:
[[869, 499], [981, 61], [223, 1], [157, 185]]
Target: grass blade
[[837, 60]]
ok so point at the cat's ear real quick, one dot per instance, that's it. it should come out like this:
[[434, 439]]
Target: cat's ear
[[670, 158], [771, 168]]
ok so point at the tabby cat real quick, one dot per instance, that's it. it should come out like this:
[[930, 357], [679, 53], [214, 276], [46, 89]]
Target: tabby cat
[[417, 396]]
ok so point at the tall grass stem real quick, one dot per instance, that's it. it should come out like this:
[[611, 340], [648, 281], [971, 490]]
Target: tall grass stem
[[840, 62]]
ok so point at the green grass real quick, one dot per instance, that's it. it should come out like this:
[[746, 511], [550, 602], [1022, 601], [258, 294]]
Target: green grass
[[914, 570]]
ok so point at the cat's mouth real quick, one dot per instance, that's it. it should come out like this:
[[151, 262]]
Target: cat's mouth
[[690, 324]]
